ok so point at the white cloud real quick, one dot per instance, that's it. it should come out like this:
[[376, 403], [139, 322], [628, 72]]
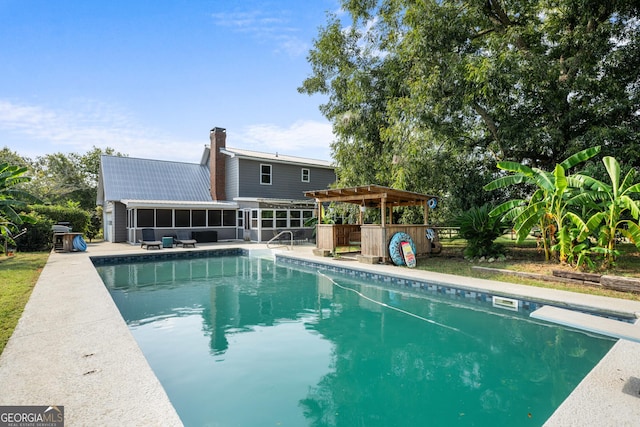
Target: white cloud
[[270, 26], [43, 131], [304, 138]]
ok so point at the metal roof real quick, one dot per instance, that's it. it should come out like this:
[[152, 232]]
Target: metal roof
[[178, 204], [130, 178], [274, 157], [371, 196]]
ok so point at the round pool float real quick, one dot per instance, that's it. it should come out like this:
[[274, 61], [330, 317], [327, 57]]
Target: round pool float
[[395, 248], [79, 244], [433, 203]]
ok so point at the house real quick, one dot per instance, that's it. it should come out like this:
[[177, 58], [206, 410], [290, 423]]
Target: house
[[231, 194]]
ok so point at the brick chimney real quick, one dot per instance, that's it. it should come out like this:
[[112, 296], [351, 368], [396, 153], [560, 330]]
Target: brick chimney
[[218, 137]]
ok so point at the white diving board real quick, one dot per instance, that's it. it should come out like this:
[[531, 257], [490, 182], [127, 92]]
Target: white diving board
[[589, 322]]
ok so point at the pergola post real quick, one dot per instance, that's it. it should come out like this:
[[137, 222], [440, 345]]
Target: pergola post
[[426, 212], [383, 210]]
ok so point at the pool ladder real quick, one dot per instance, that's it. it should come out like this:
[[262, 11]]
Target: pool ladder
[[277, 237]]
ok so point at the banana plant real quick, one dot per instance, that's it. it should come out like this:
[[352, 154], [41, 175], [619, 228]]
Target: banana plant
[[615, 199], [549, 206], [12, 200]]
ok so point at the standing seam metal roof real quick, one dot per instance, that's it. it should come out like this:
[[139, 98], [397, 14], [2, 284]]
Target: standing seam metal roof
[[145, 179]]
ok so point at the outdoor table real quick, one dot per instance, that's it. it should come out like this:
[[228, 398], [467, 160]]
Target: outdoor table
[[167, 242]]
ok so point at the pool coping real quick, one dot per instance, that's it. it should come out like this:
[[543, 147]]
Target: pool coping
[[72, 348]]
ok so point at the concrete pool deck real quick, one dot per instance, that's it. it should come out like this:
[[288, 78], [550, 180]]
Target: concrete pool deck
[[72, 348]]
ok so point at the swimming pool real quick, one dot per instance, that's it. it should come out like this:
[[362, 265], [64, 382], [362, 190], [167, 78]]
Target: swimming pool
[[237, 340]]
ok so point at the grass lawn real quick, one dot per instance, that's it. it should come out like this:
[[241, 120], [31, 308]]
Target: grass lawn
[[527, 258], [19, 275]]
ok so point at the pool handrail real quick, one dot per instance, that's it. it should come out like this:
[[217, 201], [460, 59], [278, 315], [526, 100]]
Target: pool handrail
[[277, 237]]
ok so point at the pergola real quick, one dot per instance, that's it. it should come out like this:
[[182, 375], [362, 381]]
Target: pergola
[[373, 196], [372, 237]]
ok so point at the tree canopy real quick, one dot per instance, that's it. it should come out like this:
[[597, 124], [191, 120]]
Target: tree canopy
[[60, 178], [428, 96]]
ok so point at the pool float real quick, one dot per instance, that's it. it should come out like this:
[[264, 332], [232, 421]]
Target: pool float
[[409, 254], [395, 247], [79, 244], [431, 234], [433, 203]]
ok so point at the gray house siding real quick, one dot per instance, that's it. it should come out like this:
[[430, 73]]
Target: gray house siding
[[232, 177], [119, 222], [286, 180]]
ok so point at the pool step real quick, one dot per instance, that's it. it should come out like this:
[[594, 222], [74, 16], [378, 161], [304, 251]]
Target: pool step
[[589, 322]]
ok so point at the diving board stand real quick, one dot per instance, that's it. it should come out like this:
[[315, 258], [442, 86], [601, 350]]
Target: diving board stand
[[589, 322]]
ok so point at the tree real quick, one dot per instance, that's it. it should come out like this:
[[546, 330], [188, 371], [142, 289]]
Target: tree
[[60, 178], [12, 199], [444, 84], [549, 207], [615, 199]]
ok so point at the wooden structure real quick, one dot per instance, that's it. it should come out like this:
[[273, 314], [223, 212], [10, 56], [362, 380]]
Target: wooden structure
[[373, 238]]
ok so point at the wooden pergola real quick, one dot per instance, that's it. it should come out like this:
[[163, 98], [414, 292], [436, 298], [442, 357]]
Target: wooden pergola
[[373, 238]]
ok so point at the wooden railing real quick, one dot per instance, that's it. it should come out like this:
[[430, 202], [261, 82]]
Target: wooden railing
[[374, 239]]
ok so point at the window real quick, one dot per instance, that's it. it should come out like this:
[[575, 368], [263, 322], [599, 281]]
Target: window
[[183, 218], [254, 219], [164, 218], [198, 218], [295, 221], [240, 218], [267, 219], [306, 175], [265, 174], [306, 215], [228, 218], [145, 218], [215, 218], [281, 219]]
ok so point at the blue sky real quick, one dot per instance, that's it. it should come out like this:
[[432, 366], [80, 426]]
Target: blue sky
[[150, 78]]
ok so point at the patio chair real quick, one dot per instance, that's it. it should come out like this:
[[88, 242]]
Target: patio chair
[[184, 242], [149, 239]]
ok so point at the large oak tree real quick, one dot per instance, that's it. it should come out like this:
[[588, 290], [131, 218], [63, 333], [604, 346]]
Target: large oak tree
[[428, 95]]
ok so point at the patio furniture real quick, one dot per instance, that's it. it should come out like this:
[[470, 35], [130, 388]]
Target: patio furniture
[[167, 242], [178, 241], [149, 239], [208, 236]]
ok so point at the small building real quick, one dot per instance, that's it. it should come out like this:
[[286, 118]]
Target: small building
[[231, 194]]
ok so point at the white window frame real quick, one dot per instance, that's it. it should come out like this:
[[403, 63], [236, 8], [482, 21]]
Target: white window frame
[[305, 177], [270, 174]]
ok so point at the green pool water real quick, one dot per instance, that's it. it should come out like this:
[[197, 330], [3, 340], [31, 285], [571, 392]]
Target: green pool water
[[241, 341]]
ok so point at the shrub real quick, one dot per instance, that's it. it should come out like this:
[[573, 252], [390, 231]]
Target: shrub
[[77, 218], [38, 236], [480, 230]]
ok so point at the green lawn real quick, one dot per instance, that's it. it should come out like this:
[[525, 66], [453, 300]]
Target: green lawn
[[526, 257], [19, 275]]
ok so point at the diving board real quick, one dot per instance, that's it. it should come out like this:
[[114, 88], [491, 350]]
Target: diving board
[[589, 322]]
